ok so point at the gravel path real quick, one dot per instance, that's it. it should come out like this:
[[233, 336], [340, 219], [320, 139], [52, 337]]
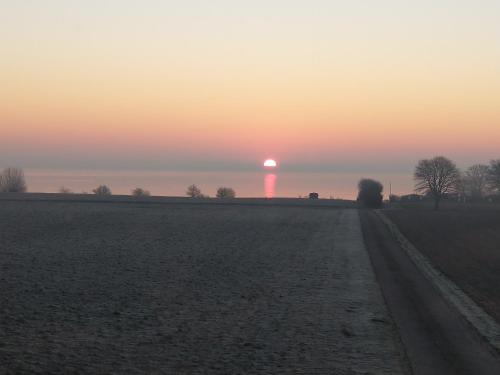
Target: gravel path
[[96, 287]]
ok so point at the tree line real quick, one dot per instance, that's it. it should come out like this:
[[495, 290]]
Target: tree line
[[192, 191], [12, 181], [438, 178]]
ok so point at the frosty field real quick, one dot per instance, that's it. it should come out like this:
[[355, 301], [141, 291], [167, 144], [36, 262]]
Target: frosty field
[[189, 288]]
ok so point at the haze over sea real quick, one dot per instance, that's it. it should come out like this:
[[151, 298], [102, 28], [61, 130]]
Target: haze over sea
[[246, 184]]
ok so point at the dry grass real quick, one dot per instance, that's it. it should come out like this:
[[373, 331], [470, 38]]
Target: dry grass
[[463, 241]]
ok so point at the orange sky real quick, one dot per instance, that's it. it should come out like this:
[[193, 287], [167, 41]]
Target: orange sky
[[310, 83]]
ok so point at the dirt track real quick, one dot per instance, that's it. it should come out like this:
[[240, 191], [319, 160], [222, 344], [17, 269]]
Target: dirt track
[[463, 243], [436, 336], [95, 287]]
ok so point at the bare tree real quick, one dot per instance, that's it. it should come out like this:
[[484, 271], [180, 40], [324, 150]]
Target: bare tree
[[494, 175], [462, 186], [437, 176], [138, 192], [12, 181], [225, 192], [370, 193], [102, 190], [475, 181], [194, 191]]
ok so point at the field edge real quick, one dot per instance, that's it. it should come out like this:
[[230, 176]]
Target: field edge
[[475, 315]]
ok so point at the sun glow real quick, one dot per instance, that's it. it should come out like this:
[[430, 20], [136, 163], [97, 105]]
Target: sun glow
[[270, 163]]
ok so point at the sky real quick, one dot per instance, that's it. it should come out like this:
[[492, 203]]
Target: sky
[[222, 85]]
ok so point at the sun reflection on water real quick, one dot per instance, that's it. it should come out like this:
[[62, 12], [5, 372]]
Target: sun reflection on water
[[269, 185]]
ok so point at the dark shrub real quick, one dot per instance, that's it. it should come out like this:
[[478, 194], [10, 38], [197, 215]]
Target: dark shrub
[[225, 192], [370, 193], [139, 192], [194, 191], [102, 190]]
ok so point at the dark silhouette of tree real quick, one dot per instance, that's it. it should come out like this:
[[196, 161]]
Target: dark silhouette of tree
[[475, 181], [370, 193], [12, 181], [437, 176], [139, 192], [102, 190], [225, 192], [313, 195], [194, 191], [494, 175]]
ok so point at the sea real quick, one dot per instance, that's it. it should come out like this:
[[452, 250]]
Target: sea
[[246, 184]]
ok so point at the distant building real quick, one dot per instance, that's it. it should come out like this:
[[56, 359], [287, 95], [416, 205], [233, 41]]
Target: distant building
[[313, 195], [393, 198], [411, 198]]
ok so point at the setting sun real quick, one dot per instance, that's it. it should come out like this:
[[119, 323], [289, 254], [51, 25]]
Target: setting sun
[[270, 163]]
